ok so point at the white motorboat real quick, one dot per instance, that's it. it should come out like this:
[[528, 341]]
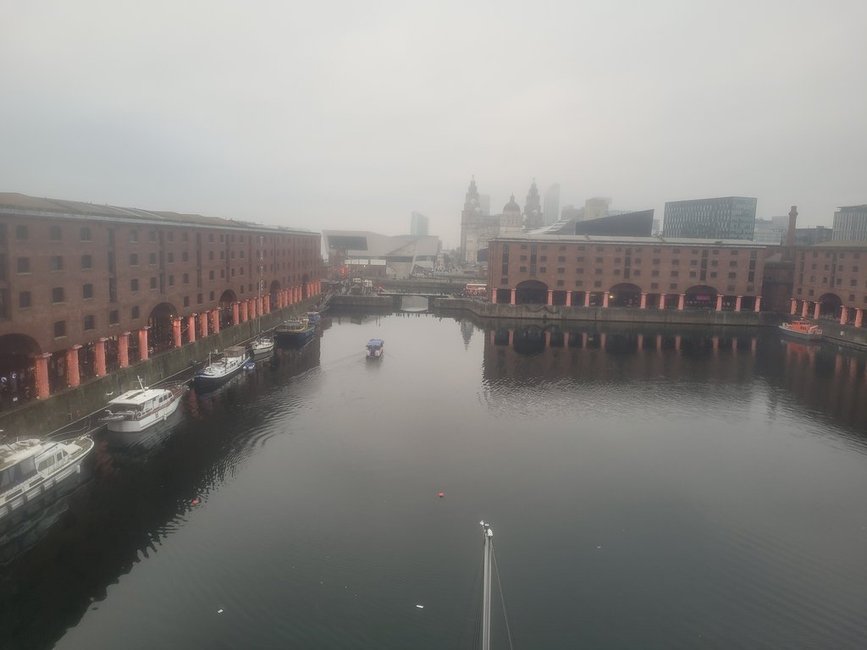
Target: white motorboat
[[31, 468], [221, 370], [136, 410], [262, 347]]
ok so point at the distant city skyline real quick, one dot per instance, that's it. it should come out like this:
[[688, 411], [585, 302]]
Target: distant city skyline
[[374, 120]]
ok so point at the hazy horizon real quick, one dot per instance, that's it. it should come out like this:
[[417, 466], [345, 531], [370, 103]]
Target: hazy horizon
[[342, 116]]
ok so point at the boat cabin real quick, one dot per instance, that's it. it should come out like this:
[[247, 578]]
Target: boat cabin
[[375, 348], [136, 402], [20, 461], [235, 351]]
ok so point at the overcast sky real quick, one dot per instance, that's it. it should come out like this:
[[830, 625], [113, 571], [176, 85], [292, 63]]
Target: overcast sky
[[351, 115]]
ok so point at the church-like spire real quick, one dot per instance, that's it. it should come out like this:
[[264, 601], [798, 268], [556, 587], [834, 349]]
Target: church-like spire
[[471, 200], [533, 217]]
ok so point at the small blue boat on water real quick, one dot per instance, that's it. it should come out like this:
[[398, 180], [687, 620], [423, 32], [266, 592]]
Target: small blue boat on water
[[314, 317], [375, 348]]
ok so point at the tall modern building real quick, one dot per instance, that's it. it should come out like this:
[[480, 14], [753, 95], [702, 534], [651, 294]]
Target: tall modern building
[[485, 203], [418, 226], [571, 212], [551, 204], [596, 207], [850, 223], [728, 217]]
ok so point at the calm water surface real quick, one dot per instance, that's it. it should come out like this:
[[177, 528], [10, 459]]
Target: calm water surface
[[648, 489]]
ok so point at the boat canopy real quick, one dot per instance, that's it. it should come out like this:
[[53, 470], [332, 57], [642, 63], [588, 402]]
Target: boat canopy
[[375, 343], [133, 398]]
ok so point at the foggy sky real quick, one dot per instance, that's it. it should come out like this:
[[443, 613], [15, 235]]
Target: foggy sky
[[353, 114]]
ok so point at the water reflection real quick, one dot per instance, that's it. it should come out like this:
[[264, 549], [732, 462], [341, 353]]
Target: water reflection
[[652, 452], [140, 492], [826, 381]]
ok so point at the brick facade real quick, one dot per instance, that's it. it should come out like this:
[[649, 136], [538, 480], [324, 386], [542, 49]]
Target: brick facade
[[571, 267], [105, 277], [85, 289]]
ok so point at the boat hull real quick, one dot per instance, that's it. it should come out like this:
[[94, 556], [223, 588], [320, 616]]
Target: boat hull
[[296, 338], [211, 381], [800, 336]]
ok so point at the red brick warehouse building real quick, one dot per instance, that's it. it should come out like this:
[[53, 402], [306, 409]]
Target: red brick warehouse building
[[87, 288], [640, 272], [831, 282]]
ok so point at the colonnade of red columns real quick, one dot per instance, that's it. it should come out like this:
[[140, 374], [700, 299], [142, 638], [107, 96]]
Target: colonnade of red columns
[[809, 308], [681, 300], [208, 322], [581, 340]]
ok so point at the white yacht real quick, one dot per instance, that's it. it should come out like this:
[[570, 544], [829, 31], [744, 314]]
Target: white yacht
[[136, 410], [30, 468], [262, 347]]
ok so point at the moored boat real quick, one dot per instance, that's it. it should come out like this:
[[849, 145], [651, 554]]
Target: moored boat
[[31, 468], [295, 331], [375, 348], [221, 370], [136, 410], [802, 329], [262, 347], [314, 317]]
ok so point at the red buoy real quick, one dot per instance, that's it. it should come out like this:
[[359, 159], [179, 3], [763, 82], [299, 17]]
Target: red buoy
[[194, 502], [441, 494]]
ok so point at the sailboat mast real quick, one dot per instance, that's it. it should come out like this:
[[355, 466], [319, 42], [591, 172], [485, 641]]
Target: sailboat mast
[[259, 284], [486, 587]]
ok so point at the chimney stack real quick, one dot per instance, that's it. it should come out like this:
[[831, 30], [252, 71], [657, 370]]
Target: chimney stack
[[790, 234]]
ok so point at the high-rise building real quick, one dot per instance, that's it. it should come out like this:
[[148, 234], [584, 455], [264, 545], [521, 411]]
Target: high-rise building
[[771, 231], [551, 205], [596, 208], [485, 203], [811, 236], [729, 217], [571, 212], [418, 226], [850, 223]]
